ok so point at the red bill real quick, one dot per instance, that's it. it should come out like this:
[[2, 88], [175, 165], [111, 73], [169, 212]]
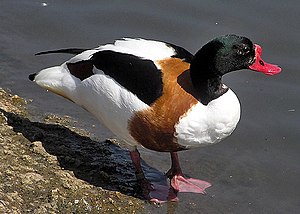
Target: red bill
[[261, 66]]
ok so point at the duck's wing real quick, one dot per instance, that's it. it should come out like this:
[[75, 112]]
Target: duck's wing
[[132, 63]]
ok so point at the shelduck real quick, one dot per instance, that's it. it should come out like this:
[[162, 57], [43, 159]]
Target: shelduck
[[159, 96]]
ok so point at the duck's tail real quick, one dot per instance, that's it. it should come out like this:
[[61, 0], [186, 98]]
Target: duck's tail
[[57, 80]]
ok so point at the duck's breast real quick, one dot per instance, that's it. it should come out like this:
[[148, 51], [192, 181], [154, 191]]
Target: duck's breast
[[205, 125]]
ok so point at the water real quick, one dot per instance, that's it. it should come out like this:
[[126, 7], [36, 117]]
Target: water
[[256, 170]]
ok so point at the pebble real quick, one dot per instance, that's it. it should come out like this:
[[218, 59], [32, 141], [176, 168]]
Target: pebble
[[3, 119]]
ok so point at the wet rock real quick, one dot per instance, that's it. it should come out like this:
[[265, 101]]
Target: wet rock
[[47, 167]]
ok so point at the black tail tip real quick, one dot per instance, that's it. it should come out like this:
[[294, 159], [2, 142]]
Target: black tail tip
[[31, 76]]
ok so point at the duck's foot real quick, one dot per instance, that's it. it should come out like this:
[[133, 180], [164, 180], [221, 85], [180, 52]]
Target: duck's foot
[[157, 193], [152, 191], [182, 184]]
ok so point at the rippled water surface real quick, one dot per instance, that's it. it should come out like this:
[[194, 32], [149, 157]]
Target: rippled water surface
[[256, 170]]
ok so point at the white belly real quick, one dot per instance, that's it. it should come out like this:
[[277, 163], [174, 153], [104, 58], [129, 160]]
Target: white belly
[[204, 125]]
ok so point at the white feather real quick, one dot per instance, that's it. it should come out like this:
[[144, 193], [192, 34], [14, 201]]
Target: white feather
[[145, 49], [110, 103], [58, 80], [86, 55], [205, 125]]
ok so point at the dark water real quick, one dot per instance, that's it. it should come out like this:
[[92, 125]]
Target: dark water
[[257, 169]]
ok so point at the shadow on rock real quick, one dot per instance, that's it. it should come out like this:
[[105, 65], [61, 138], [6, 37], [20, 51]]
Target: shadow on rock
[[101, 164]]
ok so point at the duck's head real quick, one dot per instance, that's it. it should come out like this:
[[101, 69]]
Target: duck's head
[[229, 53]]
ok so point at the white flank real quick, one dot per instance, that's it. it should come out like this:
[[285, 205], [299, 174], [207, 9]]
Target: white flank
[[111, 103], [205, 125], [99, 94]]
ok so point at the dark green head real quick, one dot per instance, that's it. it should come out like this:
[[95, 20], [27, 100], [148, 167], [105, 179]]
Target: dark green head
[[220, 56], [229, 53], [224, 54]]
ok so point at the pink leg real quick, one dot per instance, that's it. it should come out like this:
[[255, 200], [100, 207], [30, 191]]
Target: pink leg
[[182, 184], [151, 191]]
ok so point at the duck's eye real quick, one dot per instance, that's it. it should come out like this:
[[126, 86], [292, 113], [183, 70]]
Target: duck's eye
[[246, 49], [243, 51]]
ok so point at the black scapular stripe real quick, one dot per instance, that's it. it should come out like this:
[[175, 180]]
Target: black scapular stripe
[[82, 69], [139, 76]]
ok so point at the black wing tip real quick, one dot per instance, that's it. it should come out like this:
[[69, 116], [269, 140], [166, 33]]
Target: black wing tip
[[32, 76], [181, 53], [41, 53], [67, 51]]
